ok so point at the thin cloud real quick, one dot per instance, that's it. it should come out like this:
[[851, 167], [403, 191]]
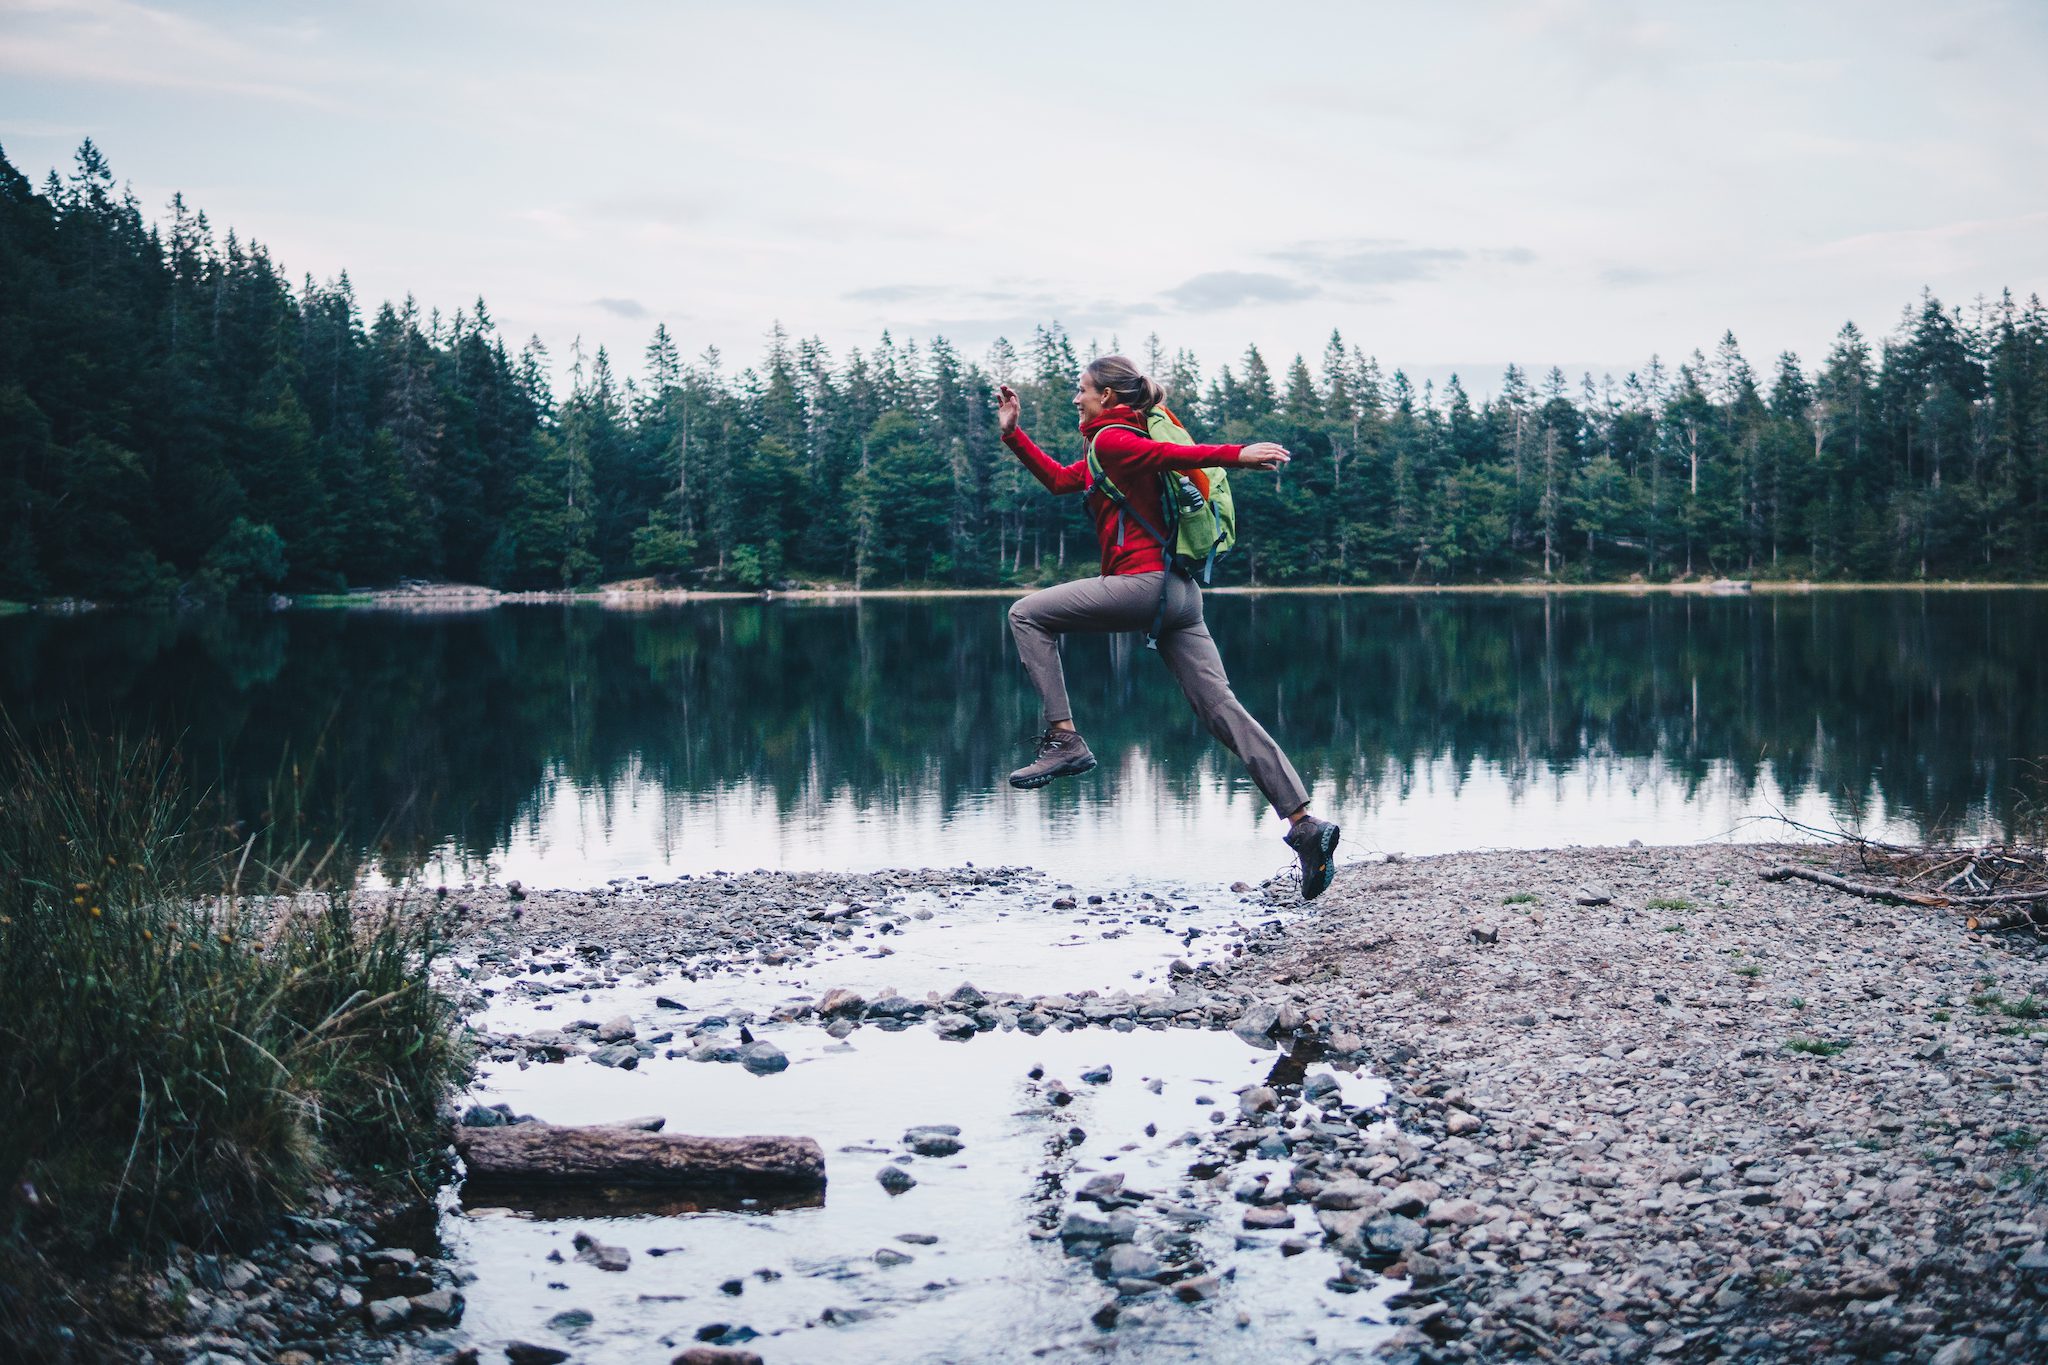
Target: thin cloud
[[114, 42], [625, 308], [892, 293], [1219, 289]]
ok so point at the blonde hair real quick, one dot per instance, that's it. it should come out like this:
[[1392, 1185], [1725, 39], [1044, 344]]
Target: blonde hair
[[1118, 377]]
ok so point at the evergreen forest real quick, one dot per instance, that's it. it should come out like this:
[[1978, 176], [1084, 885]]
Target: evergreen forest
[[179, 419]]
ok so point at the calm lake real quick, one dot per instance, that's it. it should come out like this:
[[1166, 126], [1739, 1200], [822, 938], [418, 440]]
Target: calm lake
[[566, 745]]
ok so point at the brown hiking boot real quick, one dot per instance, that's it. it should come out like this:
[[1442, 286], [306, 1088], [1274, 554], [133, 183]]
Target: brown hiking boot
[[1314, 842], [1061, 753]]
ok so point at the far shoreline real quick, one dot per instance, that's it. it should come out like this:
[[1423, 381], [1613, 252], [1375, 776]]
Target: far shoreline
[[455, 597]]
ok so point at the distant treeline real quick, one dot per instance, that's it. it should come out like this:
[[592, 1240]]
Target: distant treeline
[[176, 417]]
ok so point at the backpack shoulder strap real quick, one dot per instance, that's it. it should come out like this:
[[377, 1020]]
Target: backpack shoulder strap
[[1095, 474]]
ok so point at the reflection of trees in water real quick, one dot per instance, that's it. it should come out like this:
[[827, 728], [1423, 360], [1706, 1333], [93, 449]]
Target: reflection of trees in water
[[434, 730]]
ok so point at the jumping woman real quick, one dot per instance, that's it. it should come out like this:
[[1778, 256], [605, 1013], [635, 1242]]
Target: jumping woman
[[1114, 400]]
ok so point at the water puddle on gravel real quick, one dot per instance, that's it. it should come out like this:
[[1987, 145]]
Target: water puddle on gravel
[[966, 1265]]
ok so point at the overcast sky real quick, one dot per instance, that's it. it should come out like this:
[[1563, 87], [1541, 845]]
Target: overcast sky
[[1455, 186]]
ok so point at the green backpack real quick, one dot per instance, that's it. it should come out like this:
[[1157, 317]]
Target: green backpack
[[1201, 518]]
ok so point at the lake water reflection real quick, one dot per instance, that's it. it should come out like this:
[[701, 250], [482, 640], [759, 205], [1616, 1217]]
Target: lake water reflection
[[569, 744]]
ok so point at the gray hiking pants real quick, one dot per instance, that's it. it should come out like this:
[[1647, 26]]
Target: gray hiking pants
[[1127, 602]]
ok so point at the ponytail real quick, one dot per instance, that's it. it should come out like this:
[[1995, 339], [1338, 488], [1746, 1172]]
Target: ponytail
[[1118, 377]]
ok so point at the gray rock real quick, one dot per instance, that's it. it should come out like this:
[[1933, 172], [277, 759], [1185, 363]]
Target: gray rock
[[1102, 1187], [955, 1026], [889, 1256], [763, 1058], [441, 1308], [1410, 1196], [934, 1139], [1456, 1212], [1596, 893], [526, 1353], [1260, 1099], [1257, 1021], [1319, 1085], [1098, 1075], [716, 1355], [621, 1055], [1198, 1289], [1126, 1262], [590, 1251], [1086, 1228], [841, 1001], [1393, 1235], [895, 1179], [1348, 1194], [618, 1029], [388, 1315], [1269, 1219]]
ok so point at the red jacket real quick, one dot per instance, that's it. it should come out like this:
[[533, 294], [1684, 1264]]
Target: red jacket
[[1133, 463]]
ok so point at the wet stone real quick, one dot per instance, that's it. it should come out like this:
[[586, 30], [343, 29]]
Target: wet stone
[[763, 1058], [624, 1056], [590, 1251], [1083, 1228], [1126, 1262], [895, 1179], [715, 1355], [934, 1139], [528, 1353]]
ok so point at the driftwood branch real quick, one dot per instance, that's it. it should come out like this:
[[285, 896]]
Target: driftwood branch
[[547, 1154], [1886, 893]]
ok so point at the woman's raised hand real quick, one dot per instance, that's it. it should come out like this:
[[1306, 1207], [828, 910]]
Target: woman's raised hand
[[1007, 407], [1263, 455]]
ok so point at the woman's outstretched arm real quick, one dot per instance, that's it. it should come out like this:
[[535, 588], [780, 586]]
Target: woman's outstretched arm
[[1125, 449], [1057, 477]]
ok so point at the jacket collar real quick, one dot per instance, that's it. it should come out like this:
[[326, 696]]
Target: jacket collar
[[1116, 415]]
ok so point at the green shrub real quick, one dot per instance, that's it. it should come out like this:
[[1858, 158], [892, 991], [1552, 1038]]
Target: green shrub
[[198, 1021]]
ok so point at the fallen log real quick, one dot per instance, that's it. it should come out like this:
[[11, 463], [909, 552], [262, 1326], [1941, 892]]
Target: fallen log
[[548, 1154]]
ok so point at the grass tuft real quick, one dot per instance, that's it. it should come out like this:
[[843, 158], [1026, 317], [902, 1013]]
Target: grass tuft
[[1816, 1047], [199, 1021]]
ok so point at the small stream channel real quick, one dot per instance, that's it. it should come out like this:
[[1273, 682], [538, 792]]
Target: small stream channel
[[967, 1264]]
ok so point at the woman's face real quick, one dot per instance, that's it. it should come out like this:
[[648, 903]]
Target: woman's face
[[1091, 400]]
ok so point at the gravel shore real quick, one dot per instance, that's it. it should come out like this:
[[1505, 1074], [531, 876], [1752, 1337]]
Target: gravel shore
[[1643, 1104], [1710, 1116]]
